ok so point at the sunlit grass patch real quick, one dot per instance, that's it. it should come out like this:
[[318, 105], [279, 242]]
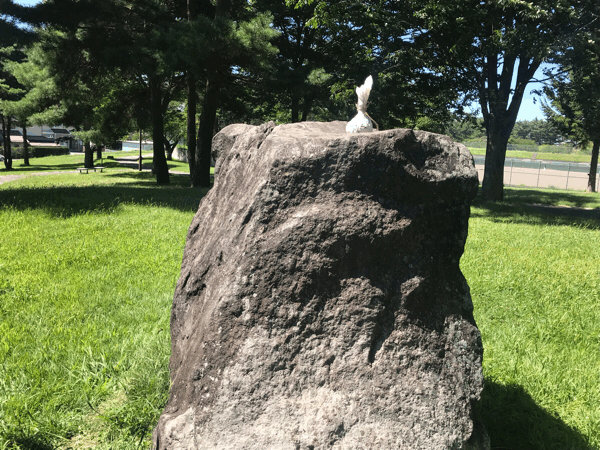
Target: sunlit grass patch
[[535, 282], [86, 287], [88, 268]]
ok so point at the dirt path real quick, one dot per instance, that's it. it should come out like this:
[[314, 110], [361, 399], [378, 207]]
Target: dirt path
[[7, 178]]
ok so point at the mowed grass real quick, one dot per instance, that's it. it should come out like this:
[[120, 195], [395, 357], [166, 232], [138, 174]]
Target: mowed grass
[[63, 163], [88, 270], [567, 157], [535, 281]]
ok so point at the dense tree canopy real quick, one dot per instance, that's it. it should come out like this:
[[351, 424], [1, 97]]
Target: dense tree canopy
[[497, 48], [574, 97], [119, 64]]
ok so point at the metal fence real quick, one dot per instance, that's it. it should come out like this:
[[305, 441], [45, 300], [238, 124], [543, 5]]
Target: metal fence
[[542, 174], [521, 147]]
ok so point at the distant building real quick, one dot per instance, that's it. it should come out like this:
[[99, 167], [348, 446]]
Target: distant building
[[41, 141], [49, 136], [57, 134], [16, 140]]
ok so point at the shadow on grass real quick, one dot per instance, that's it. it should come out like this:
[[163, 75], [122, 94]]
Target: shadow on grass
[[542, 207], [31, 443], [515, 422], [66, 201], [19, 169], [146, 177]]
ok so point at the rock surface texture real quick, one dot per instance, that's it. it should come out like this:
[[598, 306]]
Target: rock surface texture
[[321, 304]]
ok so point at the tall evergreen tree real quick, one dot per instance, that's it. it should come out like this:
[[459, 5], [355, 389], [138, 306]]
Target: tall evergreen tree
[[238, 41], [12, 37], [119, 45]]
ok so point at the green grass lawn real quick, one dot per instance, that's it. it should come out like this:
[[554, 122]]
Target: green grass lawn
[[71, 162], [535, 282], [88, 270]]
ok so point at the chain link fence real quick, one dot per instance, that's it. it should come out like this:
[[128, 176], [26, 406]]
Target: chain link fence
[[542, 174]]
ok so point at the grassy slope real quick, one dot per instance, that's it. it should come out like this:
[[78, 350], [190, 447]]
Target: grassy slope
[[87, 275], [539, 156]]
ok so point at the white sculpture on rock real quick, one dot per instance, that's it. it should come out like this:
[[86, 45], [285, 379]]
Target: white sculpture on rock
[[362, 122]]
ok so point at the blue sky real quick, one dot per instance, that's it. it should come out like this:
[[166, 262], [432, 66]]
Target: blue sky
[[528, 110]]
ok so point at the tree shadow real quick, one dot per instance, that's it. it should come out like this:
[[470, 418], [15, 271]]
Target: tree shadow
[[67, 201], [35, 442], [66, 167], [534, 206], [515, 422], [548, 197], [146, 177]]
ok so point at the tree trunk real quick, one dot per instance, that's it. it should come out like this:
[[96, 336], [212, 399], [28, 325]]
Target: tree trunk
[[500, 106], [295, 108], [191, 123], [140, 157], [306, 106], [591, 187], [159, 162], [201, 175], [493, 176], [6, 143], [192, 13], [25, 147], [170, 148], [88, 159], [99, 152], [8, 159]]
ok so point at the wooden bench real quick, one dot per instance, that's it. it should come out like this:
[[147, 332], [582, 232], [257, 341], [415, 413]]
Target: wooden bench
[[87, 169]]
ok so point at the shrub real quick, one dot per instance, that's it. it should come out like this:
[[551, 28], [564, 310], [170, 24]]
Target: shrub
[[521, 141], [564, 149], [39, 152], [475, 144]]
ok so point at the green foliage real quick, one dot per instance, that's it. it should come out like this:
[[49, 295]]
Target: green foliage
[[540, 132], [466, 130], [40, 152], [37, 102], [574, 100]]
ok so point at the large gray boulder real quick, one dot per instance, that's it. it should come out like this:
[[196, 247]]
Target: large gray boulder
[[321, 304]]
